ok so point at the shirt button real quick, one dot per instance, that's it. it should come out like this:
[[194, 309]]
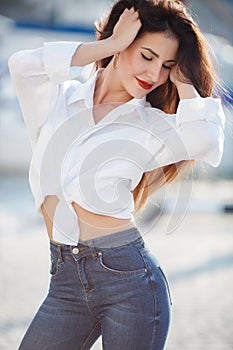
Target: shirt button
[[75, 250]]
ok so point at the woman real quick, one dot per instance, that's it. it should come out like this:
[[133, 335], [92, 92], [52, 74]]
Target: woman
[[99, 149]]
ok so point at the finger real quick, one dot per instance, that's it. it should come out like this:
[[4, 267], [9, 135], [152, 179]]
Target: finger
[[132, 9], [129, 12], [133, 16], [136, 14]]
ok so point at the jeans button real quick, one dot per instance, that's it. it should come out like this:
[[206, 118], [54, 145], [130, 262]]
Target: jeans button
[[75, 250]]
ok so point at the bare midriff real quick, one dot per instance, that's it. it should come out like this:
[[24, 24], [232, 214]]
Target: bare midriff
[[91, 225]]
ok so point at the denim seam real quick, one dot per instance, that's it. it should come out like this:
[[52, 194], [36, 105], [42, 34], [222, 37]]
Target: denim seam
[[167, 284], [91, 290], [89, 309], [155, 299], [88, 277], [91, 312], [87, 338], [154, 294]]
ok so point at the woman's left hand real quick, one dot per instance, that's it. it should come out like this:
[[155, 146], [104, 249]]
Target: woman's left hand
[[184, 86], [176, 76]]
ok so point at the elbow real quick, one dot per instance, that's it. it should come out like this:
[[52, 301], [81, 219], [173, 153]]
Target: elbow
[[205, 143], [214, 149], [24, 63], [218, 148], [17, 64]]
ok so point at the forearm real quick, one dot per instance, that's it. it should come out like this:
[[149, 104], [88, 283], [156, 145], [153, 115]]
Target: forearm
[[93, 51]]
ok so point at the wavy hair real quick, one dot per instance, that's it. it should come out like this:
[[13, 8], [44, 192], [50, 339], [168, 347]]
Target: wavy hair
[[193, 61]]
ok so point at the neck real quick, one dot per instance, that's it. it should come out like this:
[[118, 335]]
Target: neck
[[108, 88]]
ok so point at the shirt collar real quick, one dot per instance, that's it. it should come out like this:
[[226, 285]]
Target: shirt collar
[[86, 93]]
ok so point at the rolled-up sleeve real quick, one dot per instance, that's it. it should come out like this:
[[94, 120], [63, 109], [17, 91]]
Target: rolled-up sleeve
[[196, 132], [36, 76], [57, 60]]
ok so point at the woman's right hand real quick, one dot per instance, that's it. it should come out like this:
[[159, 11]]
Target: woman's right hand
[[126, 29], [124, 33]]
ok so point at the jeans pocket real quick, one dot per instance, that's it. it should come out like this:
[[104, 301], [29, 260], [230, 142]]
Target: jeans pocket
[[167, 284], [55, 263], [125, 260], [53, 267]]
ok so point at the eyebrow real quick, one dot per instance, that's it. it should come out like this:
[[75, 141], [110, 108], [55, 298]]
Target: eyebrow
[[155, 54]]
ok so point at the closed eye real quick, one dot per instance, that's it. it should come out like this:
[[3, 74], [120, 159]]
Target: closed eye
[[150, 59], [167, 67], [146, 58]]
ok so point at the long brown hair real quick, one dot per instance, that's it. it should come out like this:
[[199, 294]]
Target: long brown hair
[[193, 61]]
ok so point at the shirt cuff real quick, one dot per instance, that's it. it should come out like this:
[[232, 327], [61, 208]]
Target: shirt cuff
[[199, 108]]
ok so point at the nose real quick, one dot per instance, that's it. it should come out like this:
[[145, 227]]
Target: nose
[[154, 72]]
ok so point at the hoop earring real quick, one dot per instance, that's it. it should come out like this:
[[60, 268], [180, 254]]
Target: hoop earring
[[116, 61]]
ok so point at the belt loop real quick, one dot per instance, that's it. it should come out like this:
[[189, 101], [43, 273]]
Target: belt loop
[[59, 251], [93, 250], [141, 241]]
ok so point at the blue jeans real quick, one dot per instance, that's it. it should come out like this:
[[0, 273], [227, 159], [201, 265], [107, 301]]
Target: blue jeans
[[98, 288]]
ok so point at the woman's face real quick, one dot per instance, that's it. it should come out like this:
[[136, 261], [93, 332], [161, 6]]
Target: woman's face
[[147, 62]]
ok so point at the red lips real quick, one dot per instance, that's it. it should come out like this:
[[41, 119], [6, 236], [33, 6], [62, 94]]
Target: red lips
[[144, 84]]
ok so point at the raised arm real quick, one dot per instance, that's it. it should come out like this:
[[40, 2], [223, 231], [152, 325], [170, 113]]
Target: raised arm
[[123, 35], [36, 75], [196, 131]]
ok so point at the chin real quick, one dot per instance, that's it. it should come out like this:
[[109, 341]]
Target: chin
[[138, 94]]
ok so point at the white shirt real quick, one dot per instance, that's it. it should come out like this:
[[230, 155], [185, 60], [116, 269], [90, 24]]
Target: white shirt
[[99, 165]]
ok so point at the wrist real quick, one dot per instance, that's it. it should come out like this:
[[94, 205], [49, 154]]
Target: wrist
[[186, 90], [112, 45], [116, 45]]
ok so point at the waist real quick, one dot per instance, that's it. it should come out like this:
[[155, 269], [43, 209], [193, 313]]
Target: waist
[[92, 225], [117, 239]]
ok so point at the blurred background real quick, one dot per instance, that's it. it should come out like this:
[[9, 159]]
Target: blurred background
[[197, 256]]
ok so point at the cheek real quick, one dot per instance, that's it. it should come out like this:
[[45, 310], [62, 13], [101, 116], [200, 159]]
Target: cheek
[[164, 76], [131, 65]]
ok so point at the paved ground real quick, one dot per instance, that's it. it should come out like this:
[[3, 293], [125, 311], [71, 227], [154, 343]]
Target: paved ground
[[198, 259]]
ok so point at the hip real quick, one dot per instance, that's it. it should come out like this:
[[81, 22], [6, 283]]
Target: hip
[[111, 266]]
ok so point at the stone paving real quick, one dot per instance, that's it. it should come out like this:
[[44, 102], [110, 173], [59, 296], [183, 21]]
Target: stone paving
[[197, 257]]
